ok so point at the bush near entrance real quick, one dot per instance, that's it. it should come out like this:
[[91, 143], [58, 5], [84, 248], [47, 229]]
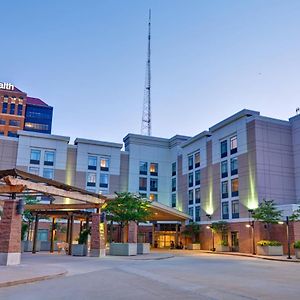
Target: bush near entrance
[[297, 245]]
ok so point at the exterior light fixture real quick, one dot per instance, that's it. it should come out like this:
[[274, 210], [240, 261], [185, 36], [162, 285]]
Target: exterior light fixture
[[251, 225], [207, 227], [280, 222], [248, 225]]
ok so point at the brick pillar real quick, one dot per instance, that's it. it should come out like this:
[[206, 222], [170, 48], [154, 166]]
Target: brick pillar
[[132, 232], [97, 236], [10, 234]]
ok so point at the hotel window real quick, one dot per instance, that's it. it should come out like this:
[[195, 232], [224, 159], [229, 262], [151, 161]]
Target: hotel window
[[197, 214], [4, 107], [153, 185], [173, 204], [197, 196], [197, 160], [235, 209], [48, 173], [14, 123], [34, 170], [49, 158], [234, 187], [12, 134], [153, 197], [35, 156], [173, 184], [223, 149], [224, 189], [12, 108], [197, 177], [91, 179], [143, 184], [104, 164], [20, 109], [233, 145], [191, 197], [173, 168], [104, 180], [190, 162], [153, 169], [143, 168], [191, 212], [224, 169], [191, 179], [234, 166], [92, 162], [2, 122], [225, 211]]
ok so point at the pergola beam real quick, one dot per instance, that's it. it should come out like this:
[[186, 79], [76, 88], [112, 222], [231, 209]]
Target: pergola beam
[[51, 190], [12, 188], [49, 207]]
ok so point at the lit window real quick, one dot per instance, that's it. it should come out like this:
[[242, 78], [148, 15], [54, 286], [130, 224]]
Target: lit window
[[104, 180], [153, 197], [92, 162], [224, 169], [12, 108], [173, 184], [153, 185], [233, 145], [234, 187], [225, 211], [104, 164], [191, 197], [234, 166], [143, 184], [173, 168], [197, 160], [35, 156], [223, 149], [48, 173], [197, 177], [173, 204], [143, 168], [91, 179], [191, 179], [153, 169], [34, 170], [197, 214], [197, 196], [190, 162], [224, 189], [49, 158], [235, 209]]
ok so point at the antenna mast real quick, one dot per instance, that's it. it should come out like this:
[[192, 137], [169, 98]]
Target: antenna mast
[[146, 119]]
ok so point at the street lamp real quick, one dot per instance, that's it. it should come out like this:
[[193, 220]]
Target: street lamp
[[251, 225], [212, 233], [288, 237]]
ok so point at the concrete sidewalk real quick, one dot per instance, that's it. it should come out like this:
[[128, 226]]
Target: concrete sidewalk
[[176, 252]]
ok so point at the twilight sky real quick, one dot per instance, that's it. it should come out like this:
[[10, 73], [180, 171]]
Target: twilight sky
[[210, 59]]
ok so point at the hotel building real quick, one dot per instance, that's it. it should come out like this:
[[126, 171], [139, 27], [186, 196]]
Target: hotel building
[[219, 174]]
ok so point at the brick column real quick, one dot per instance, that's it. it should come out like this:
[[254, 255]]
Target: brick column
[[10, 234], [132, 232], [97, 236]]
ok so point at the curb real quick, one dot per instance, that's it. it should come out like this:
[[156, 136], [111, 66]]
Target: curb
[[154, 258], [31, 280]]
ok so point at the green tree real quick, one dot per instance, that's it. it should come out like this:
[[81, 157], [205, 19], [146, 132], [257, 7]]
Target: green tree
[[296, 215], [192, 230], [27, 216], [222, 228], [127, 207], [267, 213]]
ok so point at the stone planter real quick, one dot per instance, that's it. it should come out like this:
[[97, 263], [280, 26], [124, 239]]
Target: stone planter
[[143, 248], [270, 250], [221, 248], [79, 250], [297, 253], [123, 249], [45, 246], [28, 245], [195, 246]]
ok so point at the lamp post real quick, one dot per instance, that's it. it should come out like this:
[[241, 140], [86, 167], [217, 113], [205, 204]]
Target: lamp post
[[251, 225], [288, 237], [212, 233]]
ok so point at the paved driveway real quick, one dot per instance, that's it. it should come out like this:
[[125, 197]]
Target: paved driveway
[[204, 276]]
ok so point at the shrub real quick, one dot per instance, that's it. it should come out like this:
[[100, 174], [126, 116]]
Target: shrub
[[224, 243], [268, 243], [297, 245]]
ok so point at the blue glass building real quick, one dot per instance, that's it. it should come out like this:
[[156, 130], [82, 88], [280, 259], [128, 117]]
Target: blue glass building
[[38, 116]]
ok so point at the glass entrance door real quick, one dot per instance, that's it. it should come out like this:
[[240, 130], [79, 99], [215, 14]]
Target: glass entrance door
[[234, 241]]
